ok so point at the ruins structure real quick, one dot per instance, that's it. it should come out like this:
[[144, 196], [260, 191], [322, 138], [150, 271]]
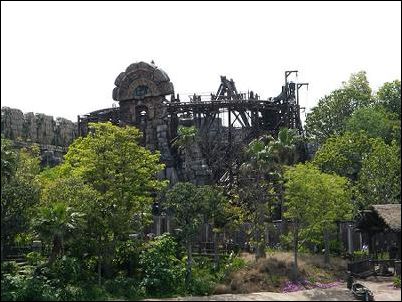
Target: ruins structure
[[225, 121]]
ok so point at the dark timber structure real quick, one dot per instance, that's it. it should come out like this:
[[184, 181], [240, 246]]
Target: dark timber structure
[[225, 121]]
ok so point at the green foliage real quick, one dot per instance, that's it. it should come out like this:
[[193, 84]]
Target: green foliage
[[389, 95], [314, 201], [329, 117], [344, 154], [19, 189], [35, 258], [379, 179], [397, 282], [162, 271], [8, 161], [185, 137], [121, 286], [375, 121], [357, 255], [108, 180], [186, 202], [54, 222]]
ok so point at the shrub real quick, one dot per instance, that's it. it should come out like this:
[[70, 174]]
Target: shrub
[[360, 255], [397, 282], [34, 258], [202, 282], [125, 287], [66, 269], [163, 273]]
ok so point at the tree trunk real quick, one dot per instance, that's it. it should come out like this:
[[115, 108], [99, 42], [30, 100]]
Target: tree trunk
[[216, 256], [189, 263], [2, 251], [260, 235], [295, 250], [326, 246], [99, 270], [56, 248]]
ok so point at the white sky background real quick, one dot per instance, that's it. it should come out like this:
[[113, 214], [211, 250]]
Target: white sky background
[[61, 58]]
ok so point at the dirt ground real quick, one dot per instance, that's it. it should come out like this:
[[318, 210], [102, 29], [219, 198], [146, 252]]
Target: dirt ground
[[382, 289]]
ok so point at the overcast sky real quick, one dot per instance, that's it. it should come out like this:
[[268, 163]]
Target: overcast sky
[[62, 58]]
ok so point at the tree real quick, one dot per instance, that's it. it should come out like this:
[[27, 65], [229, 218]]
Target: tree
[[186, 137], [314, 201], [19, 190], [344, 154], [285, 146], [379, 179], [389, 95], [8, 161], [256, 186], [219, 212], [376, 121], [120, 175], [329, 116], [187, 204], [54, 222]]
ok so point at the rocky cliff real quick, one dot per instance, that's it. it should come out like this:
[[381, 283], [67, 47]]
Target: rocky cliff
[[53, 135]]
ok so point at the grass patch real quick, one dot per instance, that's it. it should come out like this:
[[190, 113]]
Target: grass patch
[[274, 272]]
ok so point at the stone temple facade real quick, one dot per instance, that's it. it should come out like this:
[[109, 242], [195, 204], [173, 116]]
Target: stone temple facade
[[141, 91]]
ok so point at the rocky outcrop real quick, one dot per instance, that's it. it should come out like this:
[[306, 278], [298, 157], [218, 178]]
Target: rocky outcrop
[[53, 136], [37, 128]]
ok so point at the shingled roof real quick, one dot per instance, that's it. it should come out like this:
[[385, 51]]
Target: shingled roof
[[390, 213]]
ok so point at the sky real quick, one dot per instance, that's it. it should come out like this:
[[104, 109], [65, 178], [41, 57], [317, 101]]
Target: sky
[[62, 58]]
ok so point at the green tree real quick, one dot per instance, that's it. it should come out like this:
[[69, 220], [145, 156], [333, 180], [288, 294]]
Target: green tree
[[54, 222], [376, 121], [256, 186], [187, 204], [219, 212], [120, 175], [163, 272], [329, 116], [314, 201], [19, 190], [344, 154], [379, 179], [186, 137], [389, 95]]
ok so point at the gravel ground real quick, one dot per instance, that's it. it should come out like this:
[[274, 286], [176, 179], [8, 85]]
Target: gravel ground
[[382, 289]]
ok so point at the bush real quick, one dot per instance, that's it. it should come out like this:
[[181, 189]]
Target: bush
[[163, 273], [360, 255], [35, 258], [125, 287], [9, 267], [202, 282], [397, 282]]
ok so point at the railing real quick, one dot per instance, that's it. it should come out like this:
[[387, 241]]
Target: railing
[[368, 267]]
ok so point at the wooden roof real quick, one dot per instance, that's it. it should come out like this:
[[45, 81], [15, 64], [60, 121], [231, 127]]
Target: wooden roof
[[380, 218], [390, 214]]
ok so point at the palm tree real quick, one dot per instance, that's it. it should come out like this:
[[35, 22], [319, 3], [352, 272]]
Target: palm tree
[[258, 171], [285, 146], [185, 139], [286, 154], [53, 223]]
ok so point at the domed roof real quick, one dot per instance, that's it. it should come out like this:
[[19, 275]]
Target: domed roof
[[142, 80]]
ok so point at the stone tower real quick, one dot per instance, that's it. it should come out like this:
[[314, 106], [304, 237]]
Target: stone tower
[[141, 91]]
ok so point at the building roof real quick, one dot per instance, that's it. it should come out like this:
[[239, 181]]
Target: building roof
[[390, 214]]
